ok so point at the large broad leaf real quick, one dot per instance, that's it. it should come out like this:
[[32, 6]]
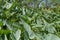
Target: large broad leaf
[[50, 29], [17, 34], [51, 37], [28, 29], [26, 36]]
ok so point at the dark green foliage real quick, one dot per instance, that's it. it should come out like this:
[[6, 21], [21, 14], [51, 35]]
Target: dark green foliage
[[20, 22]]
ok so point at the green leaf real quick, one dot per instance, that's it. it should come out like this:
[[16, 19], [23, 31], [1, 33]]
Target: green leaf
[[1, 23], [6, 37], [26, 36], [50, 29], [5, 31], [17, 34], [28, 29], [38, 37], [7, 5], [51, 37]]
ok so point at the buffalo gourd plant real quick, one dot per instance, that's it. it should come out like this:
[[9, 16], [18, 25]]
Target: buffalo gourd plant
[[19, 22]]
